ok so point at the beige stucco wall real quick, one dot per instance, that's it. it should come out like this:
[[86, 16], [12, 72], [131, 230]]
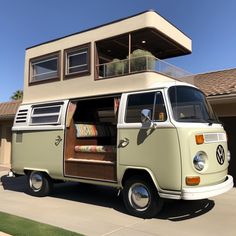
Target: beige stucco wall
[[5, 143]]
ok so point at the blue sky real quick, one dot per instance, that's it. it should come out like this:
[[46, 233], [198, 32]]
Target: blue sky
[[24, 23]]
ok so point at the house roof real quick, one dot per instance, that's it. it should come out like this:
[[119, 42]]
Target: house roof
[[217, 83], [9, 109]]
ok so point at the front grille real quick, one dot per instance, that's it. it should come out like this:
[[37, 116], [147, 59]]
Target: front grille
[[214, 137]]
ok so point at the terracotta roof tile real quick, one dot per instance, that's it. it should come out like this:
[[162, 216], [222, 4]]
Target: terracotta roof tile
[[217, 83], [9, 109]]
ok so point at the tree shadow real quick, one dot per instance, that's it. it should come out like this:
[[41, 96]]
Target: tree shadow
[[174, 210]]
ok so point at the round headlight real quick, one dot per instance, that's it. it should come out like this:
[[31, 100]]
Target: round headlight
[[199, 161]]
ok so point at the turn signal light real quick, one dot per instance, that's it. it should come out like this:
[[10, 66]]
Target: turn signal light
[[199, 139], [192, 180]]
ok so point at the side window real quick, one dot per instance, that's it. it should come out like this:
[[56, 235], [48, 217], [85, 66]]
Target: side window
[[137, 102], [45, 68], [77, 60], [47, 114]]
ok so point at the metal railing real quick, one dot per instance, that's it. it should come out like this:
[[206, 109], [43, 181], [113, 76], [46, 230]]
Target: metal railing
[[139, 64]]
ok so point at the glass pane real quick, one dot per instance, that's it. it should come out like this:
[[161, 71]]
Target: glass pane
[[190, 105], [45, 119], [78, 61], [78, 69], [46, 110], [136, 103], [45, 69]]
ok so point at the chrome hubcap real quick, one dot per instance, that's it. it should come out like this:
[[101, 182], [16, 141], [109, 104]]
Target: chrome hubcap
[[139, 197], [36, 181]]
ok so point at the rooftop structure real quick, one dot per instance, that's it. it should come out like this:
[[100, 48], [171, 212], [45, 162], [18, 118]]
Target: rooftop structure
[[121, 56]]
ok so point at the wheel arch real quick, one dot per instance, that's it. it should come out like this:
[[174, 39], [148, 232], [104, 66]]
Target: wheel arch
[[27, 171], [142, 172]]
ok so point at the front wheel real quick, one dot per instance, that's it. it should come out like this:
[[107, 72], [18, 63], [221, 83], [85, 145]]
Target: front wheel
[[39, 184], [141, 198]]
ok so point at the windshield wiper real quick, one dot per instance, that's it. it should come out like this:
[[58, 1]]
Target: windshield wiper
[[211, 121]]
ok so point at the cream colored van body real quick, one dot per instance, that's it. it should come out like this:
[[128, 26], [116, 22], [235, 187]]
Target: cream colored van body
[[163, 150], [99, 109]]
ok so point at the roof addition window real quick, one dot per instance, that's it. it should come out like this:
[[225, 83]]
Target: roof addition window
[[44, 68], [77, 60]]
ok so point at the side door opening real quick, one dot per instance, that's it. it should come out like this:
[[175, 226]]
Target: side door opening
[[91, 139]]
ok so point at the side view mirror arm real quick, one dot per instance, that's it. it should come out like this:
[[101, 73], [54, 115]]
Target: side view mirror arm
[[146, 118]]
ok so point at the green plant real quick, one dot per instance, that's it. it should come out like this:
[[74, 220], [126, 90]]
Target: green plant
[[141, 60], [116, 67]]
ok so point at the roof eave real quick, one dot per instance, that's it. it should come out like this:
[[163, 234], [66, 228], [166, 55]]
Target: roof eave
[[222, 98]]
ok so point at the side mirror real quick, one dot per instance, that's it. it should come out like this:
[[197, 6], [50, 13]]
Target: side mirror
[[146, 116]]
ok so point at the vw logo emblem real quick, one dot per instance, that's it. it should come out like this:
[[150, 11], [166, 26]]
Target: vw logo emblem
[[220, 155]]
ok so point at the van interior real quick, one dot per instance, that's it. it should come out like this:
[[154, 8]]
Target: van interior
[[91, 139]]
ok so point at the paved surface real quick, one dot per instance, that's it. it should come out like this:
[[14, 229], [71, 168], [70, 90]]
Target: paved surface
[[96, 211]]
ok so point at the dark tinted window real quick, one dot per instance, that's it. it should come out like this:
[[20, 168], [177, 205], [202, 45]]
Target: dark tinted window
[[77, 60], [137, 102]]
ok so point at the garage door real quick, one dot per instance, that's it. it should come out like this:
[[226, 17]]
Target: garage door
[[230, 127]]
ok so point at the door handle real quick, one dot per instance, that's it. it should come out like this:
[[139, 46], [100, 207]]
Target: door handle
[[123, 142]]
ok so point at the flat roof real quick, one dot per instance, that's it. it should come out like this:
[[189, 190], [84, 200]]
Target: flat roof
[[187, 45]]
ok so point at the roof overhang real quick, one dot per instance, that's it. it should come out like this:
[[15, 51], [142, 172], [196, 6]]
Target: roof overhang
[[222, 99], [7, 117], [149, 39], [161, 33]]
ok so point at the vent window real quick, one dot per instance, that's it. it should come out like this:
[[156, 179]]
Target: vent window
[[21, 116]]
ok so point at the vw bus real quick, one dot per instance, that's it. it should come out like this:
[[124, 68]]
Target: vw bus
[[126, 122]]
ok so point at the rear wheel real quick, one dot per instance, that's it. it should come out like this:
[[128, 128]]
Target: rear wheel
[[141, 198], [39, 184]]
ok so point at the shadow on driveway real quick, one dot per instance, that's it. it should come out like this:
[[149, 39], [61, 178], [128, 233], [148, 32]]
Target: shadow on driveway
[[107, 197]]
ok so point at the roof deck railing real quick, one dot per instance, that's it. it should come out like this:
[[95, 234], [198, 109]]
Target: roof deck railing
[[139, 64]]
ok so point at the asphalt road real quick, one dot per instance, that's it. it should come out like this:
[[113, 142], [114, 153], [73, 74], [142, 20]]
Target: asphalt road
[[93, 210]]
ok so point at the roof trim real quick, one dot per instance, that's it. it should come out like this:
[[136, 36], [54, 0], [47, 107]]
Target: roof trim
[[102, 25]]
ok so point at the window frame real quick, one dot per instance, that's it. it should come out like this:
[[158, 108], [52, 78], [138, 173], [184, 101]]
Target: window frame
[[153, 106], [47, 57], [49, 114], [75, 51]]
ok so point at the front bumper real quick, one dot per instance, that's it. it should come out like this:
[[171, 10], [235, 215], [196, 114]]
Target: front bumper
[[196, 193]]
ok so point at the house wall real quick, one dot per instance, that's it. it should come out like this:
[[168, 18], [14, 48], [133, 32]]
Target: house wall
[[5, 142]]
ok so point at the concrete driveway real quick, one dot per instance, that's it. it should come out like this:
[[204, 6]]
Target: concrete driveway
[[93, 210]]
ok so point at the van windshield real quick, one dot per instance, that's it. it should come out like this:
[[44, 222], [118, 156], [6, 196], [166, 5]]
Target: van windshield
[[190, 105]]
